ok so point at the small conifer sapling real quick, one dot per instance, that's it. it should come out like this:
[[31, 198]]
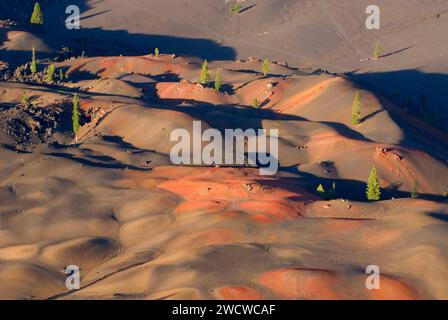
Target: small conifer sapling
[[33, 66], [75, 117], [266, 67], [50, 73], [256, 103], [36, 16], [237, 7], [218, 81], [377, 51], [320, 191], [205, 75], [373, 191], [26, 98], [61, 75]]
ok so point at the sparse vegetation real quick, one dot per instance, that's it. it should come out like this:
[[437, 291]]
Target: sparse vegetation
[[75, 117], [256, 103], [205, 74], [218, 81], [377, 51], [26, 99], [373, 191], [61, 75], [356, 109], [37, 17], [326, 194], [266, 67], [235, 9], [50, 73], [33, 66], [332, 192], [320, 191]]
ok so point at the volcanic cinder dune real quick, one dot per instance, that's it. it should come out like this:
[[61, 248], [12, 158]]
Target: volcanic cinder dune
[[140, 227]]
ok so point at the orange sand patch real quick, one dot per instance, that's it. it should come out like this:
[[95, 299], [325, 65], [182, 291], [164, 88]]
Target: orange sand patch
[[108, 67], [392, 289], [189, 91], [239, 293], [255, 90], [271, 210], [302, 284], [301, 99], [216, 189]]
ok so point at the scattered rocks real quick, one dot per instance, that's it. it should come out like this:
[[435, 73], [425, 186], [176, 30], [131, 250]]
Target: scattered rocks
[[28, 125], [249, 187]]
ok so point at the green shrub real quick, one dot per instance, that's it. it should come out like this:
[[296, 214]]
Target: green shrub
[[377, 51], [266, 67], [373, 191], [205, 75], [50, 73], [33, 66], [320, 191], [37, 17], [218, 81]]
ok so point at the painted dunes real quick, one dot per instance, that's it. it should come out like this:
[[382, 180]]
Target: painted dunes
[[142, 228]]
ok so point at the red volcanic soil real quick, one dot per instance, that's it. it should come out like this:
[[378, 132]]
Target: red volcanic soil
[[239, 293], [302, 284], [212, 190]]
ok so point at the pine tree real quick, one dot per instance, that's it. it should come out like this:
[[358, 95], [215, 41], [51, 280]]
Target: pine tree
[[332, 191], [377, 52], [320, 191], [33, 66], [205, 75], [356, 109], [218, 81], [37, 17], [373, 191], [237, 7], [26, 98], [61, 75], [50, 73], [156, 52], [75, 117], [266, 67]]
